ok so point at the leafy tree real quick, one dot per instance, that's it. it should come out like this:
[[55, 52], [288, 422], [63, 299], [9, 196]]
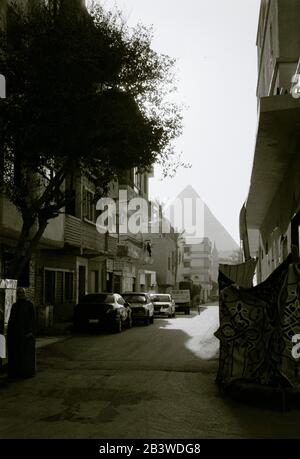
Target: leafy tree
[[85, 95]]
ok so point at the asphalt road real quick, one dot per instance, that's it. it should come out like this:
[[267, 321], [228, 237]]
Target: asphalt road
[[147, 382]]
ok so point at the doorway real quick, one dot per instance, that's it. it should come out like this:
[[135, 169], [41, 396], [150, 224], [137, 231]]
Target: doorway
[[81, 281]]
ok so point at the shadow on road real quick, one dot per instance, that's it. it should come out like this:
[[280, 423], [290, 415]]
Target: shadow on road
[[155, 381]]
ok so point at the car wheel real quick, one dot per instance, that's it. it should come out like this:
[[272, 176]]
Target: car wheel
[[151, 319], [147, 320], [174, 314]]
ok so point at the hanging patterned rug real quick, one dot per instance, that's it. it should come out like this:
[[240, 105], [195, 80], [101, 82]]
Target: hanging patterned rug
[[257, 326]]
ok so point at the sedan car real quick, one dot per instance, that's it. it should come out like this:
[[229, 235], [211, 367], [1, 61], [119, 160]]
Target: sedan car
[[163, 304], [141, 306], [107, 310]]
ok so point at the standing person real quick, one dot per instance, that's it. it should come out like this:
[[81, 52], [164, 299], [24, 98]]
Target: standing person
[[21, 338]]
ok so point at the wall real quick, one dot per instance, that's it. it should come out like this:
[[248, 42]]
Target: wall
[[163, 259], [267, 46], [277, 224], [289, 28], [278, 45], [11, 223]]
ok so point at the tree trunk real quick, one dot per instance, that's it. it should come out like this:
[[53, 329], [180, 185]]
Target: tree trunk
[[27, 243], [25, 248]]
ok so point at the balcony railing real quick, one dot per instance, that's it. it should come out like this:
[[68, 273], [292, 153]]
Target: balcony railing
[[84, 235], [73, 234]]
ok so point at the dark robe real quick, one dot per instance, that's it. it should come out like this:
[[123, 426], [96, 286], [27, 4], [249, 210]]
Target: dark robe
[[21, 340]]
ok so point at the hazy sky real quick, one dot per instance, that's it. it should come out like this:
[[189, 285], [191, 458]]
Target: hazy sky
[[214, 42]]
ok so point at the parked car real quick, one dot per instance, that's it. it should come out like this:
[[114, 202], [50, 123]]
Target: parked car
[[163, 304], [182, 299], [107, 310], [141, 306]]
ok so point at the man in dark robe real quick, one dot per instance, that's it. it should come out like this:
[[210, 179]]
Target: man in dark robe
[[21, 338]]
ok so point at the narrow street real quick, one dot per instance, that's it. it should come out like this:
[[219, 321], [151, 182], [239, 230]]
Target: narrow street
[[148, 382]]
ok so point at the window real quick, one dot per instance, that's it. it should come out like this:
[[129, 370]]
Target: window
[[160, 298], [69, 287], [58, 286], [98, 298], [49, 291], [59, 290], [89, 210], [23, 279], [186, 264], [135, 298]]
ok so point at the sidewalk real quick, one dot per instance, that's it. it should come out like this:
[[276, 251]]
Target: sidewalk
[[58, 332], [57, 329], [42, 341]]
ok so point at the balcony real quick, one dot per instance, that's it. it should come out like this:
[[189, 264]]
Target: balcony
[[84, 236], [73, 232], [276, 145], [127, 250]]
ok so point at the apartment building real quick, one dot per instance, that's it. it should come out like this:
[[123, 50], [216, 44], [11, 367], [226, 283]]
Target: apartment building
[[271, 215], [134, 247], [198, 264], [73, 257]]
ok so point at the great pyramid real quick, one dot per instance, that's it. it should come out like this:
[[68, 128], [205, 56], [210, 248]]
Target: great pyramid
[[212, 228]]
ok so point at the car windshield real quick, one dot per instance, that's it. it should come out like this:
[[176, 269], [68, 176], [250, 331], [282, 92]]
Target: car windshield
[[98, 298], [135, 298], [161, 298]]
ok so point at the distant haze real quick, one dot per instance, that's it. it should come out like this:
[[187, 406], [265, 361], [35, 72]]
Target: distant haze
[[214, 42]]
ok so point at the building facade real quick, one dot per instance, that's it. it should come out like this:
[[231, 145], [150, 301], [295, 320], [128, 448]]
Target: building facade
[[134, 247], [73, 257], [164, 260], [198, 264], [271, 214]]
